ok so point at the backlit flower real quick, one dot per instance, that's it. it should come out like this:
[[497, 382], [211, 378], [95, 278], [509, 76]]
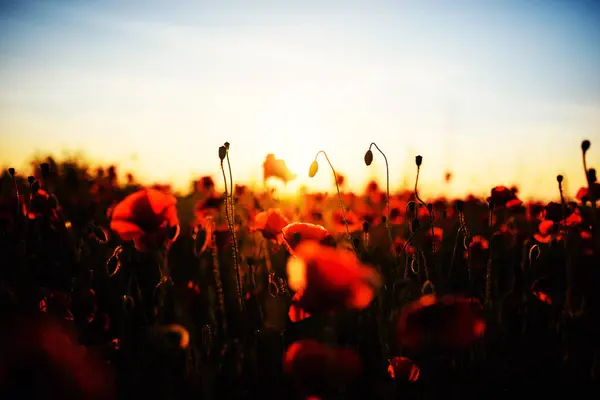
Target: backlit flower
[[148, 217], [298, 232]]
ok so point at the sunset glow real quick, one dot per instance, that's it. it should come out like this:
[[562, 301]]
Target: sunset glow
[[496, 92]]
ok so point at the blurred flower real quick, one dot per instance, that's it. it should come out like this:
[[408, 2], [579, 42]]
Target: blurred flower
[[298, 232], [42, 205], [210, 206], [354, 223], [503, 197], [330, 279], [451, 322], [54, 364], [206, 184], [276, 168], [148, 217], [296, 313], [316, 367], [403, 369], [583, 193], [478, 247], [270, 223]]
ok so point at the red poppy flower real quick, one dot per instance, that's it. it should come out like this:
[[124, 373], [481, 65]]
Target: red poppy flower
[[148, 217], [354, 223], [298, 232], [583, 193], [547, 231], [503, 197], [447, 322], [209, 207], [478, 248], [276, 168], [296, 313], [330, 279], [42, 204], [316, 367], [270, 223], [403, 369]]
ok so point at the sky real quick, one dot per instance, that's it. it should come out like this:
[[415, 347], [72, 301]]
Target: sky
[[498, 92]]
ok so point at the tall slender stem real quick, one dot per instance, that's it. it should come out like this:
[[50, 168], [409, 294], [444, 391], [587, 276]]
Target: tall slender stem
[[337, 186], [232, 232], [387, 192]]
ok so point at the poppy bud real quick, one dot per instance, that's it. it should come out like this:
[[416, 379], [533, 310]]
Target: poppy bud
[[411, 206], [226, 145], [11, 171], [585, 145], [430, 208], [35, 186], [415, 225], [460, 205], [368, 157], [314, 167], [45, 167], [356, 242], [592, 175], [419, 160], [491, 204], [250, 261], [559, 178], [222, 153], [31, 179], [366, 226]]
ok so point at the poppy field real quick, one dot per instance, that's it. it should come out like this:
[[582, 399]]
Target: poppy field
[[114, 290]]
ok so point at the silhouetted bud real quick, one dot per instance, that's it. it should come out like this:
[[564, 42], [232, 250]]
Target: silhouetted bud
[[35, 186], [366, 226], [415, 224], [491, 204], [356, 242], [250, 261], [460, 205], [31, 179], [559, 178], [419, 160], [314, 167], [585, 145], [11, 171], [226, 145], [430, 208], [592, 175], [411, 206], [368, 157], [222, 153], [45, 167]]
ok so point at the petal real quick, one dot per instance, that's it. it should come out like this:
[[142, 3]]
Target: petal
[[126, 230]]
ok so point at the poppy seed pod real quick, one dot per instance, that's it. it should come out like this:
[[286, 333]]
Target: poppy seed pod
[[559, 178], [366, 226], [415, 225], [31, 179], [222, 153], [411, 206], [368, 157], [314, 167], [226, 145], [11, 171], [585, 145], [35, 186], [419, 160]]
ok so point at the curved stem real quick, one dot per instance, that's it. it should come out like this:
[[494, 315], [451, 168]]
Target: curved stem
[[387, 192], [231, 231], [233, 234], [337, 186]]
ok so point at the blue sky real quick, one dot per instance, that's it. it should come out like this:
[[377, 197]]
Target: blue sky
[[497, 91]]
